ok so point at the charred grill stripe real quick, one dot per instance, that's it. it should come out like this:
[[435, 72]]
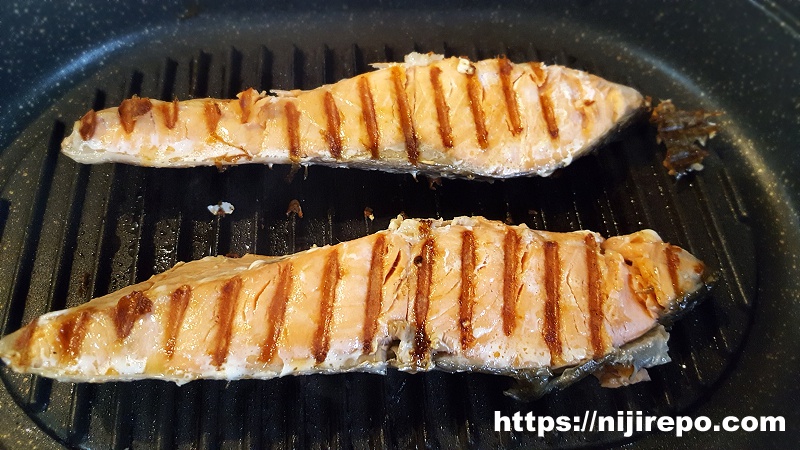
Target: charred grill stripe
[[88, 125], [176, 310], [212, 114], [595, 298], [23, 343], [277, 312], [330, 279], [333, 134], [246, 104], [128, 310], [466, 299], [374, 302], [510, 280], [170, 113], [226, 308], [293, 130], [442, 110], [510, 96], [368, 112], [548, 112], [474, 91], [71, 333], [406, 121], [552, 311], [130, 110], [422, 297], [673, 262]]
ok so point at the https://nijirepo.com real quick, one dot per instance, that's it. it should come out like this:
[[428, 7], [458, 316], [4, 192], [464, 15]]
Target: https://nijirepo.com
[[629, 422]]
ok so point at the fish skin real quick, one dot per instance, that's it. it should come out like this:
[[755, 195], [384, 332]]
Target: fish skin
[[234, 301], [429, 115]]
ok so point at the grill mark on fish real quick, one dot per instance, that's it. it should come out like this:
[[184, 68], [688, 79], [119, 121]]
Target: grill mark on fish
[[246, 104], [474, 91], [512, 107], [595, 297], [393, 268], [176, 309], [128, 310], [406, 121], [552, 312], [466, 299], [333, 134], [130, 110], [330, 279], [510, 280], [72, 332], [226, 307], [23, 343], [548, 112], [422, 297], [212, 114], [673, 262], [368, 112], [170, 113], [277, 313], [293, 130], [374, 302], [88, 125], [442, 110]]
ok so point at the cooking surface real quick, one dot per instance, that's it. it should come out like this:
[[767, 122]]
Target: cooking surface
[[70, 232]]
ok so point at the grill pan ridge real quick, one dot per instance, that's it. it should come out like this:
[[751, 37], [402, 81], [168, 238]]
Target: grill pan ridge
[[71, 232]]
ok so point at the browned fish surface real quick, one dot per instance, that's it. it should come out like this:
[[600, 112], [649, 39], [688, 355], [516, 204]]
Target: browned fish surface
[[435, 115], [466, 294]]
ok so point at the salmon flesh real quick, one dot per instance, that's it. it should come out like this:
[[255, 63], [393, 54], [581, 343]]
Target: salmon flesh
[[468, 294], [440, 116]]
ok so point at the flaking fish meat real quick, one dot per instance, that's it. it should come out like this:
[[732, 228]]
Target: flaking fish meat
[[441, 116], [463, 295]]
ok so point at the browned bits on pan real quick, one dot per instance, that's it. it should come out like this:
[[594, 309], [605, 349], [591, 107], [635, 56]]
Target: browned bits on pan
[[552, 309], [226, 312], [406, 121], [510, 280], [131, 109], [673, 262], [595, 296], [422, 296], [277, 313], [176, 310], [466, 298], [88, 125], [368, 112], [333, 132], [170, 113], [512, 106], [548, 113], [442, 110], [475, 92], [374, 302], [23, 343], [294, 208], [293, 130], [212, 114], [681, 132], [128, 310], [71, 333], [330, 279], [246, 100]]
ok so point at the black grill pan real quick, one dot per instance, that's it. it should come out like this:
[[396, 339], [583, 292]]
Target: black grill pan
[[70, 232]]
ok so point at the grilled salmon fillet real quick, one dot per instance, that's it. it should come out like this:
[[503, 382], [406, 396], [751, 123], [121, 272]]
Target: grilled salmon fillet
[[441, 116], [468, 294]]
